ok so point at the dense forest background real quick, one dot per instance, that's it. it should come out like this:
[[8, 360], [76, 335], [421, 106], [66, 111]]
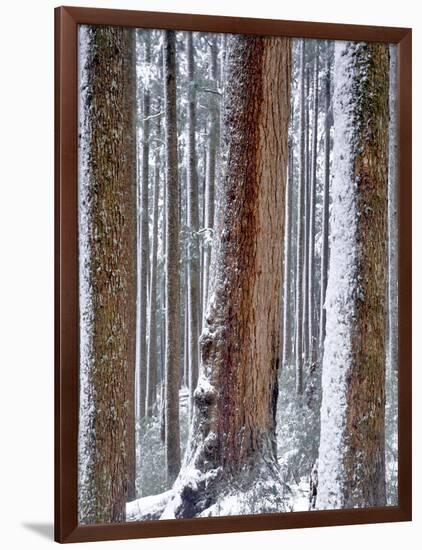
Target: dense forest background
[[237, 275]]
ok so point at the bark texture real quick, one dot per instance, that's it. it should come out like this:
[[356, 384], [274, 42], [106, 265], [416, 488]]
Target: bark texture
[[351, 457], [233, 431], [107, 224], [172, 300], [365, 457]]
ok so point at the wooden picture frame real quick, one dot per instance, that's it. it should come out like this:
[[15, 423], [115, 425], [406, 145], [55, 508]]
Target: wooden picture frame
[[67, 20]]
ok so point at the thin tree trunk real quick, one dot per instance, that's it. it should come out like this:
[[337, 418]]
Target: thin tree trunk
[[107, 236], [172, 428], [307, 215], [212, 155], [152, 320], [300, 227], [287, 306], [312, 207], [325, 205], [392, 218], [164, 322], [144, 260], [193, 224]]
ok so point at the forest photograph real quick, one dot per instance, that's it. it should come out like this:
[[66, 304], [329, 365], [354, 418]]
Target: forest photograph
[[237, 245]]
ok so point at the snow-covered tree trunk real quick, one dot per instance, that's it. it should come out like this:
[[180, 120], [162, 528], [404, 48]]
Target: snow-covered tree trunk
[[325, 205], [351, 453], [392, 218], [287, 278], [307, 216], [312, 209], [193, 225], [172, 300], [211, 166], [152, 317], [233, 436], [107, 272], [391, 415], [300, 226], [144, 227]]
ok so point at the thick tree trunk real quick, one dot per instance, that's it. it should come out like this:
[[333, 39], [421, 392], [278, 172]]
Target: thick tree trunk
[[172, 375], [193, 224], [300, 227], [144, 226], [352, 460], [233, 433], [325, 205], [107, 236]]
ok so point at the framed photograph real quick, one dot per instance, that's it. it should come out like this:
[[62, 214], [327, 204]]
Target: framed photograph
[[233, 274]]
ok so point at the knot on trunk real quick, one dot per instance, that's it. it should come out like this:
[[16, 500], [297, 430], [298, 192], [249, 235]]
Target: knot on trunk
[[204, 396], [194, 500], [206, 342]]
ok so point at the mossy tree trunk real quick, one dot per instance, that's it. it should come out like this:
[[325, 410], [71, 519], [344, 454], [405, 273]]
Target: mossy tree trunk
[[351, 458], [107, 185]]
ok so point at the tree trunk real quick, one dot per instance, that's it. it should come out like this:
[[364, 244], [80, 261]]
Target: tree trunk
[[325, 205], [233, 437], [144, 226], [172, 429], [307, 216], [312, 208], [107, 237], [352, 460], [287, 305], [193, 224], [212, 153], [152, 321], [392, 219], [300, 227]]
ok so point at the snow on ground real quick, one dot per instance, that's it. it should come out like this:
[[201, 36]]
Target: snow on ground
[[147, 507]]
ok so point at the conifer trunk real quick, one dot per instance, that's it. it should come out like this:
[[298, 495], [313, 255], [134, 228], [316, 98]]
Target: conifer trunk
[[233, 432], [107, 236], [172, 300]]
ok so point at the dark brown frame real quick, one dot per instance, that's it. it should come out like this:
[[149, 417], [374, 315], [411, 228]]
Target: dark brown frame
[[66, 274]]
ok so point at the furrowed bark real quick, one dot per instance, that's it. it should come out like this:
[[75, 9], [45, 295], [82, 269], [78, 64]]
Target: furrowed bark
[[107, 270], [233, 432]]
